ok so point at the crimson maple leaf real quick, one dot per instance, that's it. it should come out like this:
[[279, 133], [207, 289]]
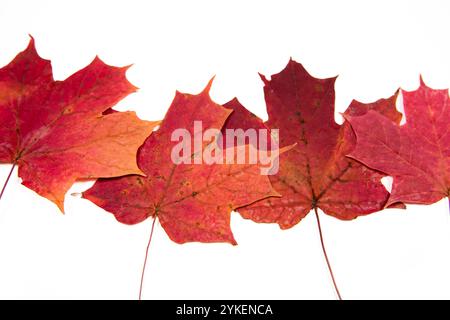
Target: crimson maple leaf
[[317, 173], [193, 202], [56, 132], [416, 154]]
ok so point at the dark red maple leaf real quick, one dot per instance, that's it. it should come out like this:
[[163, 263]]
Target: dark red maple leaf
[[317, 173], [55, 132], [416, 154]]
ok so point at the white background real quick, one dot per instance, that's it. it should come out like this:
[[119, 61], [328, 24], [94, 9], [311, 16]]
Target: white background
[[375, 47]]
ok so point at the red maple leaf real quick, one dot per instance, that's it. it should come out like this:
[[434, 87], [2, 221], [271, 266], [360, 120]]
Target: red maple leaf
[[317, 173], [416, 154], [55, 132], [193, 202]]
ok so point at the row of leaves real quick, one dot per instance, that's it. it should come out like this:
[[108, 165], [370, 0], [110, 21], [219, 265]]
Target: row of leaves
[[58, 132]]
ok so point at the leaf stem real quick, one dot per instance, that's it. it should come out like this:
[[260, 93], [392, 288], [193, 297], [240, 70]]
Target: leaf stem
[[146, 256], [7, 179], [325, 254]]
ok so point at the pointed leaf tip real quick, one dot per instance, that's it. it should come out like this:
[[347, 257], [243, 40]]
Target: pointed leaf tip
[[31, 42], [98, 60], [31, 46], [208, 86], [422, 82], [263, 78], [128, 66]]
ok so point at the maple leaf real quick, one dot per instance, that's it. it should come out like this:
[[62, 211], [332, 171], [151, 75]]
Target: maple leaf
[[55, 132], [193, 202], [416, 154], [317, 173]]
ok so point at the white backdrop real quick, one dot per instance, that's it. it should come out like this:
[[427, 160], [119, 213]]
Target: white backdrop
[[374, 46]]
